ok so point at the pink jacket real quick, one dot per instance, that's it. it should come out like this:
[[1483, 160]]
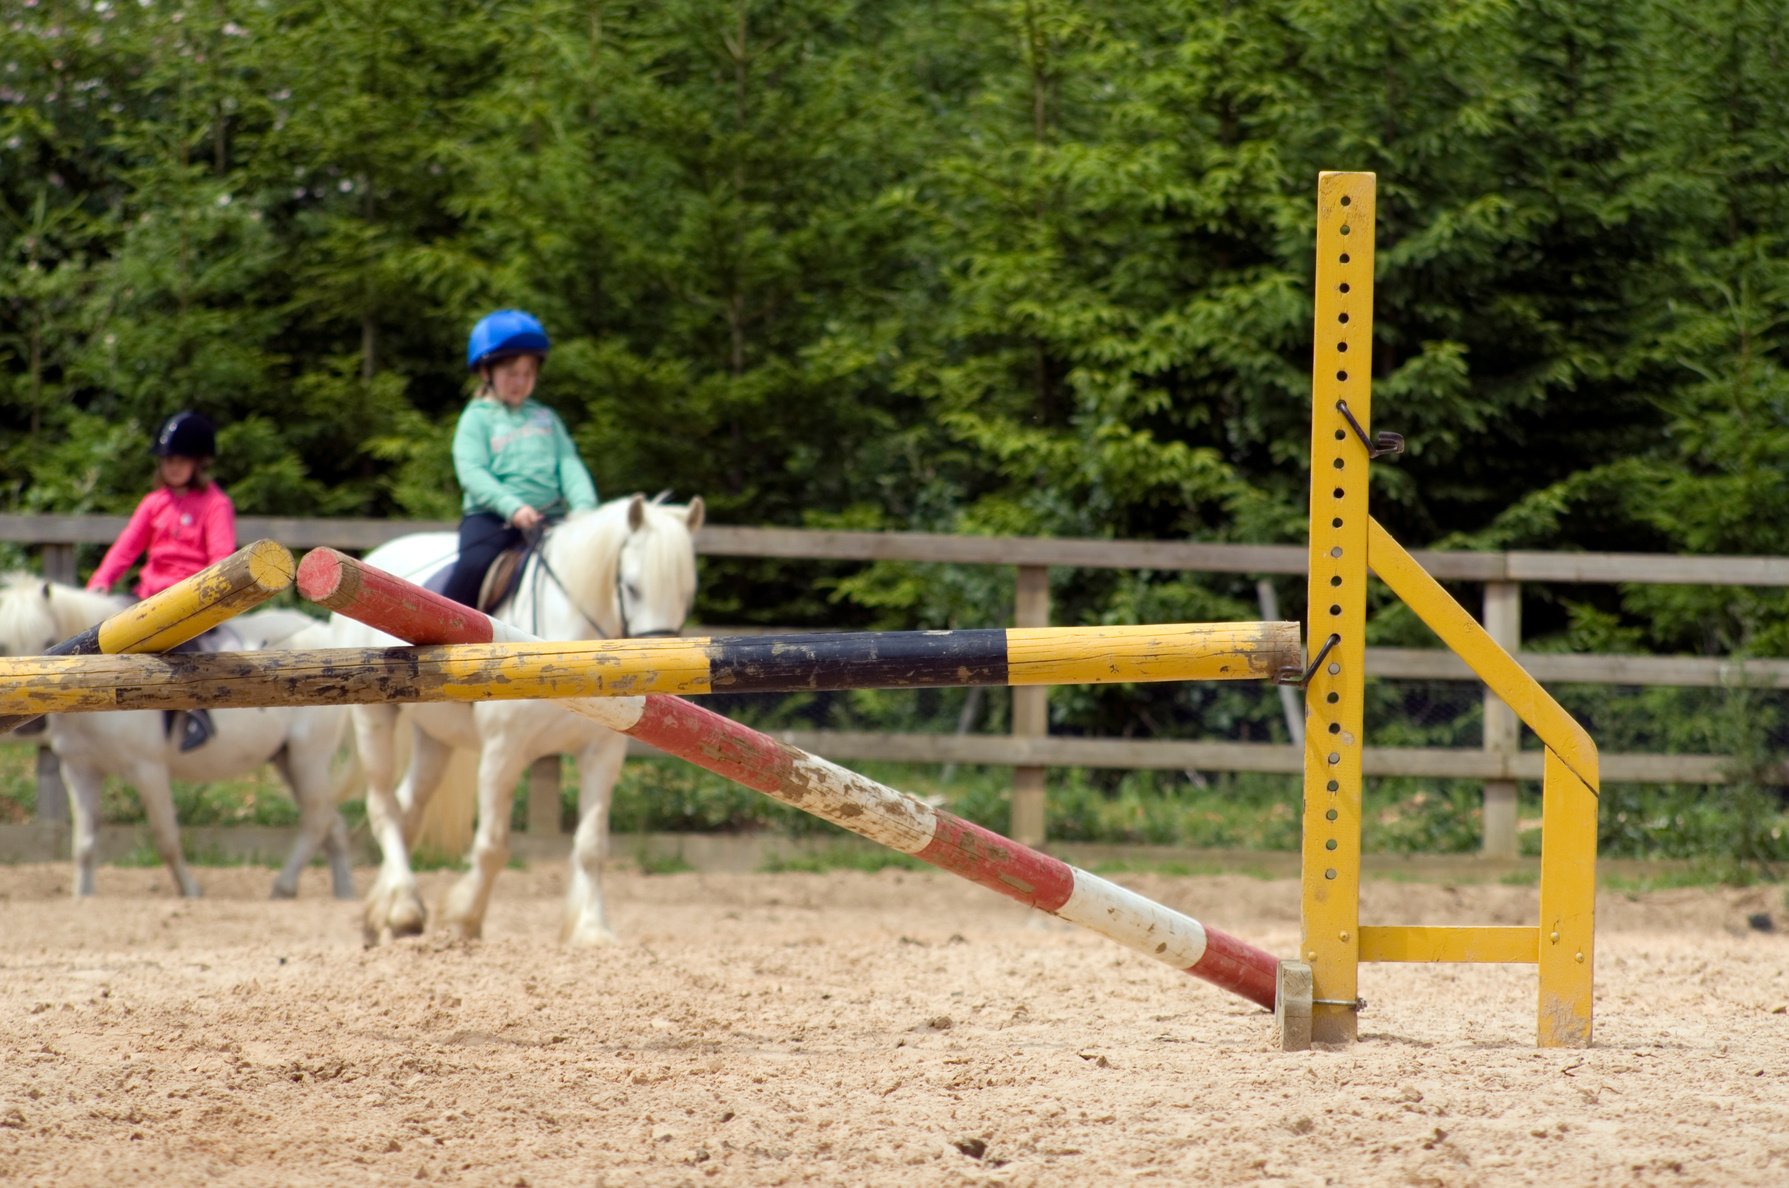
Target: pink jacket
[[184, 532]]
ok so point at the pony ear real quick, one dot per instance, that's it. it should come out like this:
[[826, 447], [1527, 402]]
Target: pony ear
[[636, 512], [696, 513]]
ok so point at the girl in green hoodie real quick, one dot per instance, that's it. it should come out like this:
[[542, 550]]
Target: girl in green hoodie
[[516, 463]]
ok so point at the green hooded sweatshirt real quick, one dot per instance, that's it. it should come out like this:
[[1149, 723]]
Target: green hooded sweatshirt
[[506, 458]]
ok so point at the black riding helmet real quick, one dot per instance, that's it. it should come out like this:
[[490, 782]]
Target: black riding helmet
[[186, 434]]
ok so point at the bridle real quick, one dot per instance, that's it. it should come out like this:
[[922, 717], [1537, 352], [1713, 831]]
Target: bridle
[[537, 547]]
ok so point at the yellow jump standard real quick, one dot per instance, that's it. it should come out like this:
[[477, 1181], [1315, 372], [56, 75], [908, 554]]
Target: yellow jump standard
[[1318, 996]]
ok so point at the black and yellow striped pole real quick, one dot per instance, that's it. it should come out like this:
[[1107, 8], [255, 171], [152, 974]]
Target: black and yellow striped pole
[[189, 608], [635, 667]]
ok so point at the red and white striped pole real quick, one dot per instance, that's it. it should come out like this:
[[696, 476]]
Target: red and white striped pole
[[817, 786]]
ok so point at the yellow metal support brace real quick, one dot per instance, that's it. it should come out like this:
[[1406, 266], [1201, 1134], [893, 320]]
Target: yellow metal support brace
[[1482, 654], [1416, 942]]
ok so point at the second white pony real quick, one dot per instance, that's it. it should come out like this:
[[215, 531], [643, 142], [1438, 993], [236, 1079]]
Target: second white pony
[[134, 745], [626, 568]]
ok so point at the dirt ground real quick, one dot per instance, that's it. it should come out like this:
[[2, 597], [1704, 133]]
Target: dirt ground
[[852, 1028]]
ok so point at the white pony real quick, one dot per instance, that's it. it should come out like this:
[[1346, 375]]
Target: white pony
[[626, 568], [134, 745]]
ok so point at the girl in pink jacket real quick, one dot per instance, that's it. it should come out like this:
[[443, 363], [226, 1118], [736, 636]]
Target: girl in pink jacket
[[183, 525]]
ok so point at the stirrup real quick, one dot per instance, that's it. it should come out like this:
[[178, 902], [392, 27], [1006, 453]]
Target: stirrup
[[196, 729]]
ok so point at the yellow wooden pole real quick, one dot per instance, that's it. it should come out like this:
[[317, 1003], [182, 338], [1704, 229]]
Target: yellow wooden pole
[[246, 578], [1342, 360], [189, 608], [634, 667]]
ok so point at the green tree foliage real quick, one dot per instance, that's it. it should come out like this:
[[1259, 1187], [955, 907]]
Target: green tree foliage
[[1012, 266]]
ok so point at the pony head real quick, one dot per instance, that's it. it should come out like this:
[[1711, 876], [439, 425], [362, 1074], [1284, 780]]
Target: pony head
[[628, 566]]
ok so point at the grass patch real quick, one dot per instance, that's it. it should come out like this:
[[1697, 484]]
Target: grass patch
[[1725, 872], [660, 864], [212, 854], [18, 782], [842, 858], [432, 859], [143, 856], [1177, 868]]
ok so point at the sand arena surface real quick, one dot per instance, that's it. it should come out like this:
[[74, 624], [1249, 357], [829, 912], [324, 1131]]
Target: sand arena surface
[[854, 1029]]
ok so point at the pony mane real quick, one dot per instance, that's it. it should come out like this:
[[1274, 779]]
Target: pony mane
[[587, 550], [32, 608], [588, 545]]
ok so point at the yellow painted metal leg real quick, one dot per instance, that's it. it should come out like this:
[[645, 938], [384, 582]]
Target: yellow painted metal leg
[[1568, 907], [1342, 357]]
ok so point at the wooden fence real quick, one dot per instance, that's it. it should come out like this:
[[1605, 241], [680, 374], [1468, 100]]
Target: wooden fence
[[1030, 750]]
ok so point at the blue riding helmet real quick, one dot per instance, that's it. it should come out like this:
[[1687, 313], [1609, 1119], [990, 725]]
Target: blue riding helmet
[[504, 333]]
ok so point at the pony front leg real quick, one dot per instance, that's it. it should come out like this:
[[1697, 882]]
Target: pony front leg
[[393, 907], [320, 827], [316, 815], [306, 763], [341, 859], [157, 797], [599, 765], [83, 783], [499, 767]]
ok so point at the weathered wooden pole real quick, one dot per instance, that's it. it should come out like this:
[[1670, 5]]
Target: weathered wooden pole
[[633, 667], [187, 609]]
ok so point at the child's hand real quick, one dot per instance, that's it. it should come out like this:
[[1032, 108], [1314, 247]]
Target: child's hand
[[526, 518]]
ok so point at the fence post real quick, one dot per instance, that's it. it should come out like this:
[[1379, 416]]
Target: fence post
[[1031, 710], [59, 563], [543, 795], [1503, 731]]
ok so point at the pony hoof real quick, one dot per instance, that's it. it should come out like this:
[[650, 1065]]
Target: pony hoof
[[392, 916], [406, 921], [463, 930], [589, 937], [280, 892]]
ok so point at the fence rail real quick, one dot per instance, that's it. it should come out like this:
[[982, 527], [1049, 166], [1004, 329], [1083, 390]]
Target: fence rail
[[1030, 749]]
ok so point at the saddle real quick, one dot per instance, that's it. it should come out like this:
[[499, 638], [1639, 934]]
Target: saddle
[[502, 578], [500, 581]]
